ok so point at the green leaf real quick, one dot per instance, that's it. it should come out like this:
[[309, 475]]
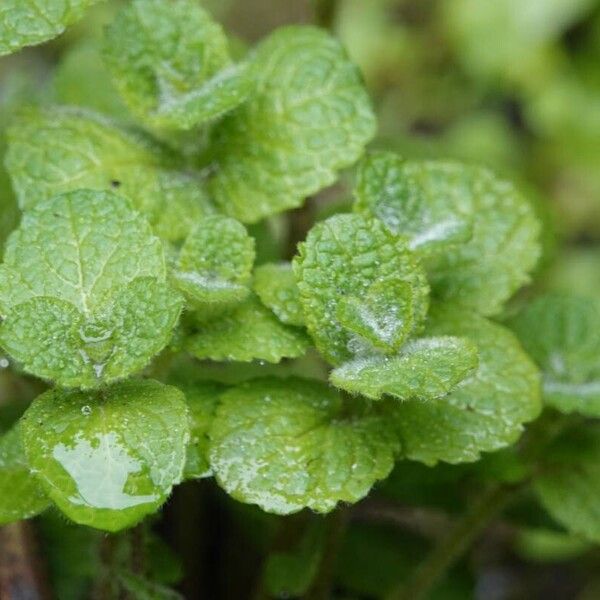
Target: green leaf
[[62, 149], [349, 259], [486, 411], [424, 369], [141, 588], [170, 62], [287, 444], [202, 398], [308, 116], [562, 334], [395, 191], [276, 287], [569, 482], [215, 263], [20, 495], [108, 458], [437, 204], [30, 22], [251, 331], [83, 291], [547, 545]]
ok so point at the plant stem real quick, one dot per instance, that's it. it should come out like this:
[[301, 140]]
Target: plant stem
[[336, 525], [325, 11], [451, 547]]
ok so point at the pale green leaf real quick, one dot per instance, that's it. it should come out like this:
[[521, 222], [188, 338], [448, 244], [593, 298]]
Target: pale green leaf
[[276, 287], [562, 334], [342, 258], [425, 368], [287, 444], [62, 149], [83, 291], [215, 263], [435, 203], [308, 116], [486, 411], [249, 332], [30, 22], [108, 458], [170, 62], [20, 495], [568, 484]]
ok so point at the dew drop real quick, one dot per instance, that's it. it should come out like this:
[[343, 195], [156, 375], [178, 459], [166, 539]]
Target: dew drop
[[86, 410]]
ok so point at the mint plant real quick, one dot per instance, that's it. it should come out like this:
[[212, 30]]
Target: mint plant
[[183, 313]]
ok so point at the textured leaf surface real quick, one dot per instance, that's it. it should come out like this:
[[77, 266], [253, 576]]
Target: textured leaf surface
[[437, 202], [83, 290], [424, 369], [288, 444], [250, 332], [170, 61], [109, 458], [486, 411], [562, 334], [394, 191], [202, 398], [29, 22], [307, 117], [215, 262], [20, 495], [276, 287], [569, 483], [63, 149], [342, 258]]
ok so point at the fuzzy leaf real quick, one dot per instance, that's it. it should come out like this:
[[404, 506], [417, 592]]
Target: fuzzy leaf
[[20, 495], [111, 457], [562, 334], [351, 259], [83, 290], [288, 444], [424, 369], [436, 203], [170, 62], [308, 116], [249, 332], [276, 287], [484, 412], [63, 149], [215, 262], [30, 22], [569, 482]]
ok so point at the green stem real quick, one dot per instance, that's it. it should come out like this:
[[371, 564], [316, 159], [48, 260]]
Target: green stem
[[336, 525], [451, 547], [325, 12]]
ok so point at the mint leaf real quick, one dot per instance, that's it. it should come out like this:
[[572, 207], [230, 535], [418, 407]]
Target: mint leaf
[[170, 62], [484, 412], [202, 398], [111, 457], [308, 116], [562, 334], [288, 444], [83, 291], [424, 369], [569, 482], [276, 287], [249, 332], [342, 258], [30, 22], [63, 149], [20, 494], [478, 234], [215, 263], [395, 191]]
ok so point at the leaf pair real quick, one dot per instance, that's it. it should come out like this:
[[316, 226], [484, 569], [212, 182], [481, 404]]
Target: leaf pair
[[83, 290]]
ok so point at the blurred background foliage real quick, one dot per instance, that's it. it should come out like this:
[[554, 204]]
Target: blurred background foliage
[[512, 84]]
